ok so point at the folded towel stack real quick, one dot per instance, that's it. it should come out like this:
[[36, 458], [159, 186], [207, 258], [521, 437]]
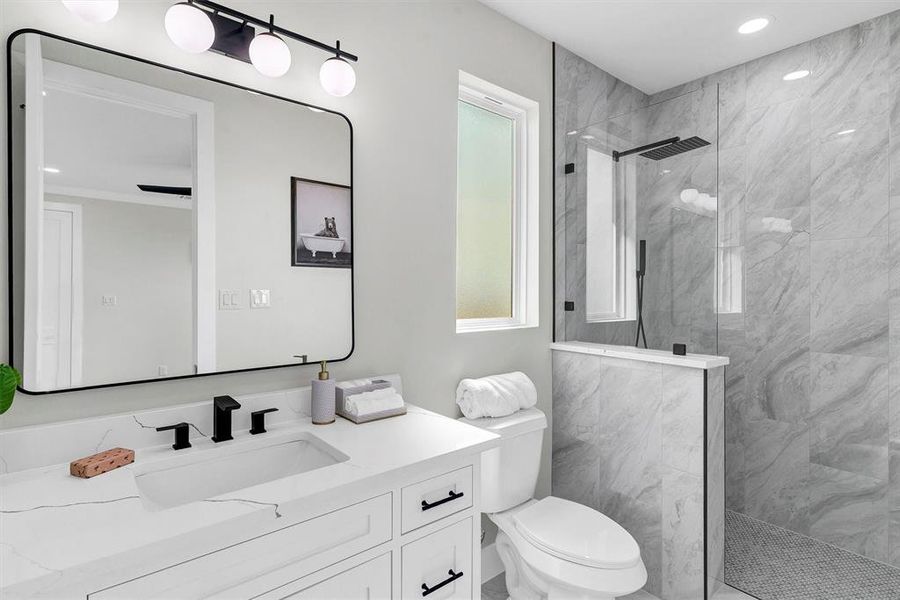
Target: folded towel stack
[[495, 396], [367, 403], [352, 383]]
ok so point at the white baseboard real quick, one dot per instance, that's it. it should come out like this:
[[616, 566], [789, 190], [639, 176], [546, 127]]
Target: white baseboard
[[491, 565]]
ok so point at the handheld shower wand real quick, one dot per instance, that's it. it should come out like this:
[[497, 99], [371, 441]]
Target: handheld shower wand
[[641, 271]]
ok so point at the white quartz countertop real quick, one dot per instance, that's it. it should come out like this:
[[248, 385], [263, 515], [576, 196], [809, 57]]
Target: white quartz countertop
[[694, 361], [51, 522]]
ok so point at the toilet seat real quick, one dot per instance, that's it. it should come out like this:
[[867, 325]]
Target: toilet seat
[[562, 570], [578, 534]]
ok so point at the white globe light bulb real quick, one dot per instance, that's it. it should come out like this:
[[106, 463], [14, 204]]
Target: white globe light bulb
[[337, 76], [189, 28], [93, 11], [270, 55]]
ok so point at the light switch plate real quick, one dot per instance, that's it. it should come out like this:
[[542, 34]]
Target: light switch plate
[[260, 299], [229, 299]]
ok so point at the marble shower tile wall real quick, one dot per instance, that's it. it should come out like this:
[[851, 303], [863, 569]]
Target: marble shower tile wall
[[715, 479], [894, 303], [809, 194], [628, 440]]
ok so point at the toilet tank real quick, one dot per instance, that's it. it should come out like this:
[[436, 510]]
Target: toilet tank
[[509, 472]]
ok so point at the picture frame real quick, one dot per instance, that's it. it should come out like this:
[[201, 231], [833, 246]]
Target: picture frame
[[321, 224]]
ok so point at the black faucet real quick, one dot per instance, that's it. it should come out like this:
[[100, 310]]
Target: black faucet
[[222, 407], [182, 435]]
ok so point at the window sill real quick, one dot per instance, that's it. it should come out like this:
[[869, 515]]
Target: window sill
[[479, 325]]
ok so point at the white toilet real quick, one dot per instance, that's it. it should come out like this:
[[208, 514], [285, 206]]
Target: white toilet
[[551, 548]]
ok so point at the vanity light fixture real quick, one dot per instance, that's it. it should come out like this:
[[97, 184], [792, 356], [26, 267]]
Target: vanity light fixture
[[199, 25], [795, 75], [93, 11], [754, 25]]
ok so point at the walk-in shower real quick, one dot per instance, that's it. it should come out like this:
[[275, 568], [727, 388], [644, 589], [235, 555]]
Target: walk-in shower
[[767, 206]]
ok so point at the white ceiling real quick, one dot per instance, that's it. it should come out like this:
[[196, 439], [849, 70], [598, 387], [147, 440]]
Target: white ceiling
[[99, 145], [657, 44]]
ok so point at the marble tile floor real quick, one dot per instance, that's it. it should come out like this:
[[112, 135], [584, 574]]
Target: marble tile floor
[[495, 589], [776, 564]]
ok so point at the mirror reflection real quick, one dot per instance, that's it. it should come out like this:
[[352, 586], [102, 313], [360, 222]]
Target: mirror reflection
[[165, 225]]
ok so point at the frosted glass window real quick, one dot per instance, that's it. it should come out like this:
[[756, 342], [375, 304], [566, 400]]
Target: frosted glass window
[[485, 209]]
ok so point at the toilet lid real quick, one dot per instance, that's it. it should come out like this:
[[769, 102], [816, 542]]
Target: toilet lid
[[578, 534]]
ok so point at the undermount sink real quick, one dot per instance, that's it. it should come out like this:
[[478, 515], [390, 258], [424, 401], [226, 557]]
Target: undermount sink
[[218, 471]]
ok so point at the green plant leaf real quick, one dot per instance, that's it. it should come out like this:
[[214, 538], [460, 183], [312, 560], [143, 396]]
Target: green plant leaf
[[9, 379]]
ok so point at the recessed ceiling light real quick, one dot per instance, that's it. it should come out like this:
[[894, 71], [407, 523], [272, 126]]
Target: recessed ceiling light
[[846, 132], [754, 25], [587, 137], [51, 170], [795, 75], [573, 132]]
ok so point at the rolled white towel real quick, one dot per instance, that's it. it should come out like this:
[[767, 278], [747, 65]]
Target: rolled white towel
[[367, 403], [495, 396]]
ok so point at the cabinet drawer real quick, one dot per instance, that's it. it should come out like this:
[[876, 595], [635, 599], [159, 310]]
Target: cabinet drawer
[[368, 581], [250, 568], [439, 566], [433, 499]]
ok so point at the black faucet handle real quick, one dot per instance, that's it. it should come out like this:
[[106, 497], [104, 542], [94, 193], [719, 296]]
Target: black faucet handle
[[258, 420], [182, 435], [226, 403]]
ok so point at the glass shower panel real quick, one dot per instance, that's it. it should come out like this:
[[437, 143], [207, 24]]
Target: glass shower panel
[[665, 196]]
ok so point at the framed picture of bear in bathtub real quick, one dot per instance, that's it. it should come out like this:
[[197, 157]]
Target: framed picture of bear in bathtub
[[321, 224]]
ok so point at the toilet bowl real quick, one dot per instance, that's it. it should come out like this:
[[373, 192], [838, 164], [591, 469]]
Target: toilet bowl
[[551, 548]]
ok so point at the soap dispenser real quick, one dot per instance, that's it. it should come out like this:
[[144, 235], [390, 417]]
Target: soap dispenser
[[322, 398]]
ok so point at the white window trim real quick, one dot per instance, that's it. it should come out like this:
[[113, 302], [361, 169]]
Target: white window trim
[[526, 201]]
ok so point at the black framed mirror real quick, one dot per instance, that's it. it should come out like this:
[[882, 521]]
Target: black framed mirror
[[150, 211]]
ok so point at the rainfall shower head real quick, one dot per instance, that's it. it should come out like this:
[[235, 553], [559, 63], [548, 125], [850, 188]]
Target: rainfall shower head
[[664, 149], [692, 143]]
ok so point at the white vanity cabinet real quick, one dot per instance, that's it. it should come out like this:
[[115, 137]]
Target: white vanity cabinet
[[394, 513], [418, 539]]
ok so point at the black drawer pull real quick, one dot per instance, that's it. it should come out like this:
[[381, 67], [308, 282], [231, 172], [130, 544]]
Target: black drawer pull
[[451, 497], [453, 577]]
